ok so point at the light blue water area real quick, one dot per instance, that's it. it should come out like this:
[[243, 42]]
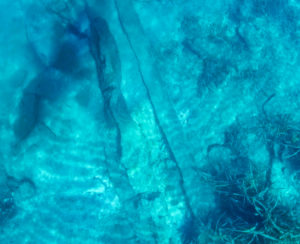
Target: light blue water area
[[138, 121]]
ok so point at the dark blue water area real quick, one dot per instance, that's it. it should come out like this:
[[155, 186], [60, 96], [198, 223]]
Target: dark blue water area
[[150, 121]]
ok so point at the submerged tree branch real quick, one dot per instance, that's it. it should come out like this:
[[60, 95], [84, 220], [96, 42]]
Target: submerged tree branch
[[156, 117]]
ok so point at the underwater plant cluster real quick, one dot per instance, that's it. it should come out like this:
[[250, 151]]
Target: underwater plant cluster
[[138, 121]]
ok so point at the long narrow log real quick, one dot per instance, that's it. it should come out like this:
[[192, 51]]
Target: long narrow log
[[129, 23], [103, 49]]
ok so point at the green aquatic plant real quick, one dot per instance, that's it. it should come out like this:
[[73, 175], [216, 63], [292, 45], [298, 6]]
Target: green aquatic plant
[[281, 135], [247, 210]]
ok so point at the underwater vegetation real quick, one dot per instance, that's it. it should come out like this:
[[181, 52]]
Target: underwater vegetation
[[247, 211]]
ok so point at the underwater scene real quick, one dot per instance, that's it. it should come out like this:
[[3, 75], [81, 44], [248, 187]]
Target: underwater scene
[[150, 121]]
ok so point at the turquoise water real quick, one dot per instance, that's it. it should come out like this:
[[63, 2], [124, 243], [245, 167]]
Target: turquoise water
[[138, 121]]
